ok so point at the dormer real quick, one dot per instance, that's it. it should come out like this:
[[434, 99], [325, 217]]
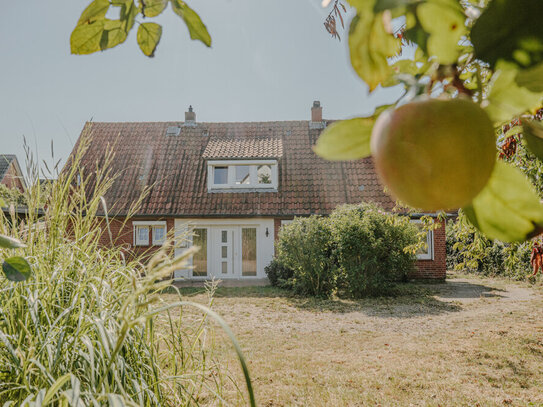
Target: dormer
[[243, 164]]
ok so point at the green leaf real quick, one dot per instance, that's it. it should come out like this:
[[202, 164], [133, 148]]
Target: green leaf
[[103, 33], [346, 139], [10, 243], [95, 11], [531, 78], [370, 47], [152, 8], [113, 35], [129, 11], [16, 268], [506, 99], [148, 37], [197, 29], [510, 30], [533, 135], [56, 386], [444, 21], [86, 38], [508, 208]]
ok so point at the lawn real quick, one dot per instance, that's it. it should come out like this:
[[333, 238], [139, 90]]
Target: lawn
[[466, 342]]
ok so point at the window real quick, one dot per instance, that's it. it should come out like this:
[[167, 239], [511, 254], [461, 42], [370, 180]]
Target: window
[[159, 233], [142, 235], [242, 174], [264, 173], [220, 175], [199, 259], [427, 252], [144, 231]]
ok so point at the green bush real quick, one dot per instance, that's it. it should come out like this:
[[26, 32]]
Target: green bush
[[470, 251], [278, 274], [305, 246], [371, 248], [359, 250]]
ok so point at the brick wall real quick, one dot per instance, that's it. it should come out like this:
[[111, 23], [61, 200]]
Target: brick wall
[[123, 235], [12, 179], [436, 268]]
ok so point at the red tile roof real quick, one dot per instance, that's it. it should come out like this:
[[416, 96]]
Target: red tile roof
[[176, 168], [236, 148]]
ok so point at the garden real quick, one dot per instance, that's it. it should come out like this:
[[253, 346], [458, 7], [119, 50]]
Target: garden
[[83, 323]]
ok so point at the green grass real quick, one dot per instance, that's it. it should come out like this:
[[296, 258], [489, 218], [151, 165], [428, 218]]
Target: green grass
[[82, 330]]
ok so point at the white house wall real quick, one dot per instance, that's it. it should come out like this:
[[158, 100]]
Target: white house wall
[[264, 245]]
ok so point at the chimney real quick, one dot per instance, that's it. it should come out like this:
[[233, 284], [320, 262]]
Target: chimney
[[190, 117], [316, 116]]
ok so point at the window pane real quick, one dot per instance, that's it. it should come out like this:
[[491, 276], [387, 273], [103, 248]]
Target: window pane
[[220, 175], [199, 260], [242, 174], [224, 252], [143, 235], [158, 234], [224, 236], [248, 252], [264, 174], [224, 267]]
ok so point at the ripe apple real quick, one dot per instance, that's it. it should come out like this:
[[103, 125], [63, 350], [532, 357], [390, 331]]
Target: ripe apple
[[434, 154]]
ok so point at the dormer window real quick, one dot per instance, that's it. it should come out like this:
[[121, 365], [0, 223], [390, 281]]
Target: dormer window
[[242, 174]]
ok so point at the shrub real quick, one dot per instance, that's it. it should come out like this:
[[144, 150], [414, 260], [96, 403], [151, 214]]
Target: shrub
[[278, 274], [371, 248], [470, 251], [306, 248]]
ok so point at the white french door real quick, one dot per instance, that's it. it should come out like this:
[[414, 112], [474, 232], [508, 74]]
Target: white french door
[[230, 248], [234, 252]]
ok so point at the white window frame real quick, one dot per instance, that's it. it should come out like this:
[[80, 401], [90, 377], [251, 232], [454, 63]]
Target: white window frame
[[231, 179], [150, 225], [429, 255]]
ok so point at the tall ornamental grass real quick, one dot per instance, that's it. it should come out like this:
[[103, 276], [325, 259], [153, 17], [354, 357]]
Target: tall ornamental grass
[[89, 327]]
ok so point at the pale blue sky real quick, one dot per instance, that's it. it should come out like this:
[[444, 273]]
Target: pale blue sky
[[270, 59]]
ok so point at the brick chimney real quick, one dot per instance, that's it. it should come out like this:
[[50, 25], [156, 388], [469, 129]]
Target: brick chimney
[[316, 116], [190, 117]]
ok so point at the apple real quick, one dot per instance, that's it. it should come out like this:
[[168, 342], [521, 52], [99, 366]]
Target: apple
[[434, 154]]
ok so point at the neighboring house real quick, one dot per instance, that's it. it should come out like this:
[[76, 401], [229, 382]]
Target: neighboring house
[[10, 172], [233, 185]]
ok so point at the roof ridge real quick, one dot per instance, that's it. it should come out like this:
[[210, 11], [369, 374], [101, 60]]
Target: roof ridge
[[223, 122]]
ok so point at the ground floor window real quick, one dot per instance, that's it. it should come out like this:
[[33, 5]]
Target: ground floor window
[[427, 252], [146, 233]]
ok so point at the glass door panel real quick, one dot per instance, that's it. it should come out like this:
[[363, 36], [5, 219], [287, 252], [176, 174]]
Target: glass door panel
[[199, 260], [248, 252], [225, 252]]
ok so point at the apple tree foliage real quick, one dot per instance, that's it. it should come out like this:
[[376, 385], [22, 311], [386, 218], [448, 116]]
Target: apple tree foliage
[[490, 51], [94, 32]]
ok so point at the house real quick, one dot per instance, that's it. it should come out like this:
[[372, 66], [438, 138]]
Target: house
[[10, 172], [233, 185]]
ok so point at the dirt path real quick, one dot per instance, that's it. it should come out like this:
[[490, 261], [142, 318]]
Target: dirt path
[[466, 342]]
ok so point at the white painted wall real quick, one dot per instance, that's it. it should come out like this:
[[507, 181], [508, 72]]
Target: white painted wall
[[264, 244]]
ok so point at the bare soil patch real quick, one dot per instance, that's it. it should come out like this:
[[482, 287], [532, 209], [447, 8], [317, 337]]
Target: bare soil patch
[[468, 341]]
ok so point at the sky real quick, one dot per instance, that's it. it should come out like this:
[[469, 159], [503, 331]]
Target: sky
[[269, 60]]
